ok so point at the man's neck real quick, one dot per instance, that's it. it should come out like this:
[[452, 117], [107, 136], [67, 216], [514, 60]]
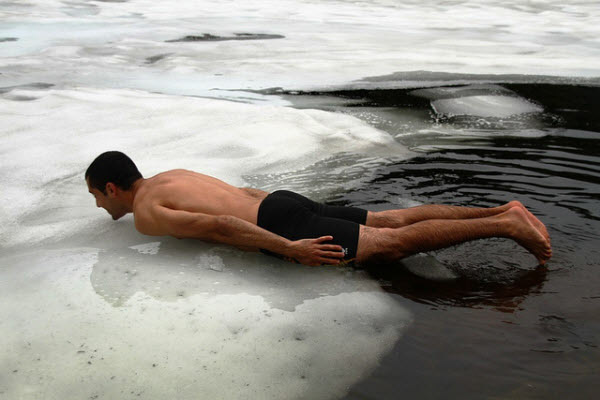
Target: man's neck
[[129, 196]]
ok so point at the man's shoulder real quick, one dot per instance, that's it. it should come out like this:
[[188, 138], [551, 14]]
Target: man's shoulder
[[142, 215], [162, 184], [174, 174], [145, 201], [155, 189]]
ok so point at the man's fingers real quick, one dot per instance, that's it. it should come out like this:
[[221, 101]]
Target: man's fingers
[[332, 254], [331, 247], [330, 261]]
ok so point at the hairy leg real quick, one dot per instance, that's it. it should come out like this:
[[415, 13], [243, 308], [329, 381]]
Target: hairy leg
[[387, 244], [407, 216]]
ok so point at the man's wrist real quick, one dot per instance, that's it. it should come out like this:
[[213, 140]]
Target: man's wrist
[[289, 248]]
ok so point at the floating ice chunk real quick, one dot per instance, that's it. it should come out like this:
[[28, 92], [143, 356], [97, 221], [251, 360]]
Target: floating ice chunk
[[428, 267], [484, 106], [477, 100], [147, 248]]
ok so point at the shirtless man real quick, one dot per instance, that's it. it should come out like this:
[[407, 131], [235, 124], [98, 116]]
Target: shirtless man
[[186, 204]]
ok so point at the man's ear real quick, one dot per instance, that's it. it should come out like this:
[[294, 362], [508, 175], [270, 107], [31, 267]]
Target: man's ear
[[111, 189]]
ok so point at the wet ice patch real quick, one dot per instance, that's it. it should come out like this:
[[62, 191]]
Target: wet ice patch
[[184, 268], [428, 267], [212, 262], [207, 37], [147, 248], [28, 86], [156, 58]]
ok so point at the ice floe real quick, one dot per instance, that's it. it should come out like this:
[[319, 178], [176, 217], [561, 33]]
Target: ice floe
[[477, 100]]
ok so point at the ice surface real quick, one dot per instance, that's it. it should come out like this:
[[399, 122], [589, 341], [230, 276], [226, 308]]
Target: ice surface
[[61, 337]]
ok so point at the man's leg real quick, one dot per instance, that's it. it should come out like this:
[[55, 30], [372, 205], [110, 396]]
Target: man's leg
[[389, 244], [407, 216]]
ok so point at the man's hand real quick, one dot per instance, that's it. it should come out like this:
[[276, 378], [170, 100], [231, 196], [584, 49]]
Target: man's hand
[[314, 252]]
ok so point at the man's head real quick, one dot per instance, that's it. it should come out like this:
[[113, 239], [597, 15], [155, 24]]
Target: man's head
[[109, 177]]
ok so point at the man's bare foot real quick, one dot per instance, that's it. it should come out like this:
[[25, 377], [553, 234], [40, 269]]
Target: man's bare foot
[[524, 232], [539, 225]]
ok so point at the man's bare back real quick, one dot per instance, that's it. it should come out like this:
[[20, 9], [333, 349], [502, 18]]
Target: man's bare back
[[193, 192]]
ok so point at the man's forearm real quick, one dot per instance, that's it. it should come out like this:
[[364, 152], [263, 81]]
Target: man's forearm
[[238, 232]]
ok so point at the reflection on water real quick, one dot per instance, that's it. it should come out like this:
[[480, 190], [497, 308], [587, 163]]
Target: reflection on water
[[505, 296]]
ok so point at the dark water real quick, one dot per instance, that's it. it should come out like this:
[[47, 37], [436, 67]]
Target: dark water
[[505, 329]]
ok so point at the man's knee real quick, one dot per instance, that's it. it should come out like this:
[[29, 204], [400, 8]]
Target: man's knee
[[376, 245]]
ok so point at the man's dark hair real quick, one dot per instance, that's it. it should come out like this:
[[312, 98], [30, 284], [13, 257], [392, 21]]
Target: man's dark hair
[[112, 166]]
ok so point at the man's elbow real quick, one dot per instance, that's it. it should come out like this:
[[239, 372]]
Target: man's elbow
[[209, 229], [221, 228]]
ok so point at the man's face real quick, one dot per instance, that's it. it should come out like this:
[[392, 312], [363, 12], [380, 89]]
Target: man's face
[[107, 201]]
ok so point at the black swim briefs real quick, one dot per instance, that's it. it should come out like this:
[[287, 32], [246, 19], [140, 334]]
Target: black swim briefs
[[294, 217]]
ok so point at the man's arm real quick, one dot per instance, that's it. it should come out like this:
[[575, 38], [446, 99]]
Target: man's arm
[[237, 232]]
